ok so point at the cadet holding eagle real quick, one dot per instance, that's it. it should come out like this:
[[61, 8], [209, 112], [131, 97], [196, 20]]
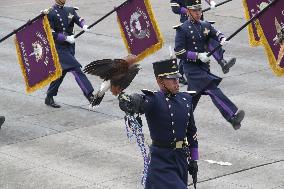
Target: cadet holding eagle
[[169, 114]]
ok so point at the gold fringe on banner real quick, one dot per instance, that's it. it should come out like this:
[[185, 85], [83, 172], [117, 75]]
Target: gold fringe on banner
[[58, 70], [20, 60], [156, 28], [278, 71], [252, 41]]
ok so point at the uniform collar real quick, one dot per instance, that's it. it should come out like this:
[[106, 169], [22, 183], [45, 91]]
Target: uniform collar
[[167, 94], [58, 6], [194, 22]]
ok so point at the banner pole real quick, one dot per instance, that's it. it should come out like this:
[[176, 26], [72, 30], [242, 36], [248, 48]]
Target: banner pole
[[217, 5], [102, 18], [20, 28]]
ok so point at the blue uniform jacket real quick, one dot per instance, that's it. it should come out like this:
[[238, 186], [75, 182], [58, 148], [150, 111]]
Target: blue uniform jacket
[[193, 37], [169, 118], [62, 20]]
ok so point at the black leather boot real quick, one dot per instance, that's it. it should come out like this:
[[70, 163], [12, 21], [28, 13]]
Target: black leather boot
[[97, 99], [226, 65], [2, 120], [237, 119], [50, 102], [90, 98]]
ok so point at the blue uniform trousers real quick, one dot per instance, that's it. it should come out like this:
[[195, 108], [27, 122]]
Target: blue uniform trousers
[[226, 107], [167, 169], [80, 77]]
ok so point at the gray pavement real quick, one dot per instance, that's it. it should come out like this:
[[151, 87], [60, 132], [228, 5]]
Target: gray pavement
[[73, 147]]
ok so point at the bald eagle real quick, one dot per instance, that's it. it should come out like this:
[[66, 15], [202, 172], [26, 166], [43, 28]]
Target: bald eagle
[[116, 73]]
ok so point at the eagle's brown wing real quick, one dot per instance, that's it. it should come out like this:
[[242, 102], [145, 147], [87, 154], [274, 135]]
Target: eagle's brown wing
[[106, 68]]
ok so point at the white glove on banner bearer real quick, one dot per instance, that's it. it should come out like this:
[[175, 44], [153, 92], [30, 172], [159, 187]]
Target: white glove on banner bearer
[[85, 28], [224, 41], [70, 39], [203, 57], [212, 4]]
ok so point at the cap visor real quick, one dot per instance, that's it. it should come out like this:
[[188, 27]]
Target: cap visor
[[172, 76]]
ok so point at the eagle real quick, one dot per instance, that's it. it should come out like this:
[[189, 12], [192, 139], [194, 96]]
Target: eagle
[[116, 73]]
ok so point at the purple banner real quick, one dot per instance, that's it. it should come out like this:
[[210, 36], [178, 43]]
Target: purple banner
[[139, 29], [37, 54], [272, 24], [251, 9]]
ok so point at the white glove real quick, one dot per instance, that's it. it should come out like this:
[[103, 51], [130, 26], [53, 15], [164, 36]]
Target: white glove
[[45, 11], [224, 41], [203, 57], [212, 4], [85, 28], [70, 39]]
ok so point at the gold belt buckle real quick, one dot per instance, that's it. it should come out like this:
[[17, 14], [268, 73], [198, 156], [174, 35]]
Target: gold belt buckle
[[179, 144]]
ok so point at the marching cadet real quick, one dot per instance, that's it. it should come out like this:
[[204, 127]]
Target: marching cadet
[[62, 20], [190, 42], [179, 7], [169, 114], [2, 120]]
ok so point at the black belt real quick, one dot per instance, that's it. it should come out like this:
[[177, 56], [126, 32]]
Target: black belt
[[171, 145]]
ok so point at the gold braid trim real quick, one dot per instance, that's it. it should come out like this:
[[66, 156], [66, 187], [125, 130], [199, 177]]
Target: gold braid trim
[[278, 71], [167, 74], [252, 41], [156, 28], [58, 69]]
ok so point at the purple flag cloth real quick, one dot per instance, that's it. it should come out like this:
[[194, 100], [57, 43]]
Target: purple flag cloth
[[251, 9], [139, 28], [270, 30], [272, 24], [37, 54]]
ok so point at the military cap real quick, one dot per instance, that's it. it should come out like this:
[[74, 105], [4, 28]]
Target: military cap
[[193, 4], [166, 69]]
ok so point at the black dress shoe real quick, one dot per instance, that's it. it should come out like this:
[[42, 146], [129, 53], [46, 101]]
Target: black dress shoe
[[237, 119], [226, 65], [50, 102], [2, 120]]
